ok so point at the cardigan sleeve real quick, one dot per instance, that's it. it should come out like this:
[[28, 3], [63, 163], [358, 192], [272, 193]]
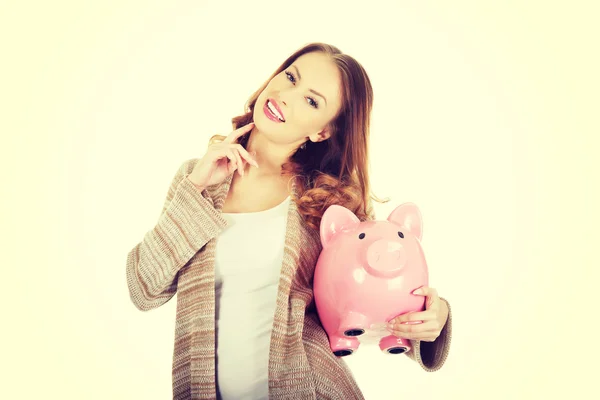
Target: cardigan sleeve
[[187, 222]]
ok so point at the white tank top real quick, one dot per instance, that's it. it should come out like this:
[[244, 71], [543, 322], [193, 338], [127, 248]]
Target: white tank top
[[249, 255]]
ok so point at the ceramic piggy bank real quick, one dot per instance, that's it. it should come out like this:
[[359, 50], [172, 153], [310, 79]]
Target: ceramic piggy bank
[[365, 276]]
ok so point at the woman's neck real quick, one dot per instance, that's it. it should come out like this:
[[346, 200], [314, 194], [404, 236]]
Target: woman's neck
[[269, 156]]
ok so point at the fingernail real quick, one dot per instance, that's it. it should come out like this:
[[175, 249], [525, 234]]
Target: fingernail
[[418, 291]]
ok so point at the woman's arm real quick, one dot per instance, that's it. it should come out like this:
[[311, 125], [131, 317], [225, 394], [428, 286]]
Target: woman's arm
[[187, 222]]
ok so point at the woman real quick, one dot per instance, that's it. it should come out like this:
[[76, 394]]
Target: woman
[[246, 325]]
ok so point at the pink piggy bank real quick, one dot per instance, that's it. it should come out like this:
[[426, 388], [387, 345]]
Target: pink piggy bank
[[365, 276]]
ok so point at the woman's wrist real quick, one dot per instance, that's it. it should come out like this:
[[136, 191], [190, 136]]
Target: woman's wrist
[[201, 188]]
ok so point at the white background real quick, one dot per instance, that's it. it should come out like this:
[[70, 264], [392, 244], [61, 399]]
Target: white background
[[485, 116]]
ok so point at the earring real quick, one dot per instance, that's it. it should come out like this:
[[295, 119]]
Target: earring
[[303, 146]]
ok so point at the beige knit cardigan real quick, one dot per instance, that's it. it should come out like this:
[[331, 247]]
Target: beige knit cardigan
[[178, 255]]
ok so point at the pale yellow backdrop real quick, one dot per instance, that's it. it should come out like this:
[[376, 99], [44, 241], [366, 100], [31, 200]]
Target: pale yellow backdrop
[[486, 116]]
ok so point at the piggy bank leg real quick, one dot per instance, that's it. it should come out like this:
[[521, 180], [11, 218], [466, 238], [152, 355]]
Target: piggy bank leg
[[343, 346], [353, 324], [394, 345]]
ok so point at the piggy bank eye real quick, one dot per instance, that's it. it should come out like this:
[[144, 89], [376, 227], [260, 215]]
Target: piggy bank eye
[[361, 236], [401, 235]]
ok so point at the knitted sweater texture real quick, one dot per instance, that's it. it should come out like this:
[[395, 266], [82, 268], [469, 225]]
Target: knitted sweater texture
[[177, 257]]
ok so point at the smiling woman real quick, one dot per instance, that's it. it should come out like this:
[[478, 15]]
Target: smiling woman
[[316, 108], [240, 249]]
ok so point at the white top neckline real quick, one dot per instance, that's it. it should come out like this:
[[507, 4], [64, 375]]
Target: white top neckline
[[261, 213]]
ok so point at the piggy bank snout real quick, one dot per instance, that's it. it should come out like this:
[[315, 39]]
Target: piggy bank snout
[[386, 256]]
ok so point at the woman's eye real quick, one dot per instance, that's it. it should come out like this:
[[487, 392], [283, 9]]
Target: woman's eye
[[313, 103]]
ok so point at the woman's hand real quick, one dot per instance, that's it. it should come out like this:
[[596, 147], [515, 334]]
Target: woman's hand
[[433, 319], [222, 159]]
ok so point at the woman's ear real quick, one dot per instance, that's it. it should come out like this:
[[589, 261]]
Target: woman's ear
[[320, 136]]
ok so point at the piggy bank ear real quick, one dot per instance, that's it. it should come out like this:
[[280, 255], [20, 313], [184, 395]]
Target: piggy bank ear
[[408, 216], [335, 219]]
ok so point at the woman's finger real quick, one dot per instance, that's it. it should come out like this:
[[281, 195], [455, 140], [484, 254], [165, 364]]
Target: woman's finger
[[431, 296], [247, 156], [239, 161], [233, 136], [427, 326], [414, 331], [232, 164], [414, 316]]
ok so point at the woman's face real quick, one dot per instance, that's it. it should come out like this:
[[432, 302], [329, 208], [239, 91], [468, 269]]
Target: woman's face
[[307, 95]]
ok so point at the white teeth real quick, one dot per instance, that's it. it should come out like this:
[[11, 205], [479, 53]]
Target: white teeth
[[274, 110]]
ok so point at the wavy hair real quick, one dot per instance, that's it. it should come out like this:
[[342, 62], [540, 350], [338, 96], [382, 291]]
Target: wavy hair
[[336, 170]]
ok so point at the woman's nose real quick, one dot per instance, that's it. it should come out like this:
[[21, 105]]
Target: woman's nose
[[281, 99]]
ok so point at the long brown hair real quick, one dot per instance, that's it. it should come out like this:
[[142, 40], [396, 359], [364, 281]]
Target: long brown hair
[[336, 170]]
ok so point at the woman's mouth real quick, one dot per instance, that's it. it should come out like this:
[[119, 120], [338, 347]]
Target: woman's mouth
[[272, 111]]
